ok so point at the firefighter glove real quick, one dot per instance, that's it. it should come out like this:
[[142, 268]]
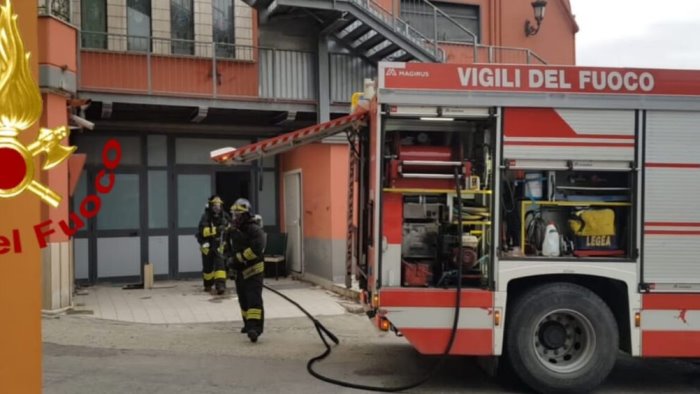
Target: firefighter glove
[[220, 249], [237, 261], [205, 248]]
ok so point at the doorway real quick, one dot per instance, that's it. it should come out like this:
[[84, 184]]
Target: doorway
[[232, 185]]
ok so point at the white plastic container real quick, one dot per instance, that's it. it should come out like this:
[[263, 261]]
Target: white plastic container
[[470, 241], [550, 246], [533, 186]]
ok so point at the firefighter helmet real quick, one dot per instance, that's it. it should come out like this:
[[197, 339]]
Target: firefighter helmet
[[241, 211], [215, 200], [241, 205], [215, 204]]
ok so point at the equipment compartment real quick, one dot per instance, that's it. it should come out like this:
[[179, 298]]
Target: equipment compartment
[[422, 162], [567, 214]]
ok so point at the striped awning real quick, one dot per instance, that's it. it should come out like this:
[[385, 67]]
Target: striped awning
[[291, 140]]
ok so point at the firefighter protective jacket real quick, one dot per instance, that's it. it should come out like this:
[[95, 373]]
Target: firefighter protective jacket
[[212, 228], [247, 243]]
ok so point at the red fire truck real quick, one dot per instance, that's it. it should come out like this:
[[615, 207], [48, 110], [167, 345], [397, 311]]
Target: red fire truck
[[546, 214]]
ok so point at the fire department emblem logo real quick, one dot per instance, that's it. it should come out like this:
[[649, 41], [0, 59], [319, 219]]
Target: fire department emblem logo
[[20, 108]]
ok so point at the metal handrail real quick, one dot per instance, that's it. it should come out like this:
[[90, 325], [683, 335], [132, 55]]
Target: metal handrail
[[398, 25], [412, 33], [152, 67], [277, 76], [165, 39], [528, 53], [536, 56]]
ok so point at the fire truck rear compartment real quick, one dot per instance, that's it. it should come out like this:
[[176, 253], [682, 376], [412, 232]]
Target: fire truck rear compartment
[[422, 160]]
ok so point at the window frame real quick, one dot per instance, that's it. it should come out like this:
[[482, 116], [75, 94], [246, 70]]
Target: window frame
[[134, 41], [178, 45], [93, 39], [228, 50]]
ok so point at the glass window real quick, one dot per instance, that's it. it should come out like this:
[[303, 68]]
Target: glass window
[[421, 17], [93, 146], [223, 28], [197, 150], [157, 199], [120, 207], [188, 255], [193, 191], [182, 26], [94, 23], [158, 254], [157, 150], [138, 24], [268, 199], [81, 258]]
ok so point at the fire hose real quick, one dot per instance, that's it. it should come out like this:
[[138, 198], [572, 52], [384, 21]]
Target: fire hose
[[325, 334]]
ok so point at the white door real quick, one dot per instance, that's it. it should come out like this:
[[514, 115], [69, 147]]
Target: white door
[[292, 219]]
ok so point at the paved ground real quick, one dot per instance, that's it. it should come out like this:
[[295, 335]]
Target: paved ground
[[85, 354], [176, 302]]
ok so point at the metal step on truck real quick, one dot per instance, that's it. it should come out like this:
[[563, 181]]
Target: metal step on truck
[[544, 216]]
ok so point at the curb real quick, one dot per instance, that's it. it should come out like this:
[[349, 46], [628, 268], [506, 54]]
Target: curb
[[328, 285]]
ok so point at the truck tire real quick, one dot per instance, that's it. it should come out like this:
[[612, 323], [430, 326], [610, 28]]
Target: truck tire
[[561, 338]]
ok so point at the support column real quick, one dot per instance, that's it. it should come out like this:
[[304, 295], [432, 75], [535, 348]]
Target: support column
[[58, 85], [57, 256], [203, 28], [324, 81], [116, 25]]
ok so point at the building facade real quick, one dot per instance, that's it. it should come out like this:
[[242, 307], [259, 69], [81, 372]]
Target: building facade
[[173, 80]]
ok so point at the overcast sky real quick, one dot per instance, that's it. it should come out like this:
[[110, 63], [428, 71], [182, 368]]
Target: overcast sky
[[638, 33]]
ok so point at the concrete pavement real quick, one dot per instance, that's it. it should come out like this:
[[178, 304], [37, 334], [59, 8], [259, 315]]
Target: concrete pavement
[[178, 339], [181, 302]]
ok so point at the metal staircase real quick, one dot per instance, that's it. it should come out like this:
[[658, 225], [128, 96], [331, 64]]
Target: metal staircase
[[368, 29]]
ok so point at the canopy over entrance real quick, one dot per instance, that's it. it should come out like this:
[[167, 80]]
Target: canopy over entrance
[[291, 140]]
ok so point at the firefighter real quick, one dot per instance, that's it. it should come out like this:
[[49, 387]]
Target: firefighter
[[211, 237], [247, 242]]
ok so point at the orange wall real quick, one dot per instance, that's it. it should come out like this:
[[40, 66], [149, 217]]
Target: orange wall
[[314, 162], [57, 47], [57, 43], [338, 184], [55, 115], [387, 5], [20, 274], [555, 41], [464, 54], [324, 186], [170, 74], [113, 71]]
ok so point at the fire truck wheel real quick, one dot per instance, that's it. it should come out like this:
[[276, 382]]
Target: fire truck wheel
[[561, 338]]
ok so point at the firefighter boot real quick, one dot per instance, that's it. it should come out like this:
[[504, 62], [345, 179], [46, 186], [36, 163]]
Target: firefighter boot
[[253, 335], [220, 288]]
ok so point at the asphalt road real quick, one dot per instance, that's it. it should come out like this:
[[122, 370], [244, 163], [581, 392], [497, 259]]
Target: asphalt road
[[85, 355]]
